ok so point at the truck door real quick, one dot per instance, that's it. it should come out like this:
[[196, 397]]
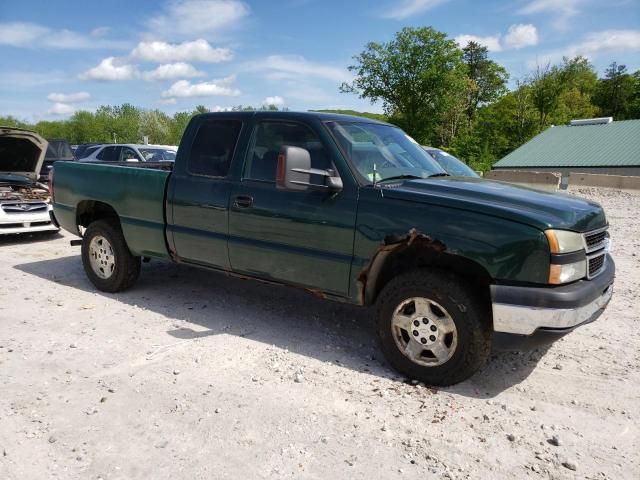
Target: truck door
[[302, 237], [198, 194]]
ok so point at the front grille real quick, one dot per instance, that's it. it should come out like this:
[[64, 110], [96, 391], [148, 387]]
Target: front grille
[[596, 264], [23, 207], [595, 240]]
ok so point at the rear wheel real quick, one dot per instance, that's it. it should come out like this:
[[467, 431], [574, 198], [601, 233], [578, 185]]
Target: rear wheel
[[432, 328], [106, 258]]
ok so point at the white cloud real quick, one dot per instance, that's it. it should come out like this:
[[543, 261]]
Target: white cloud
[[61, 109], [193, 17], [560, 11], [110, 69], [22, 79], [591, 46], [218, 108], [100, 31], [68, 97], [168, 101], [20, 34], [289, 67], [195, 51], [564, 7], [492, 42], [518, 36], [276, 100], [407, 8], [521, 35], [606, 41], [171, 71], [32, 35], [219, 87]]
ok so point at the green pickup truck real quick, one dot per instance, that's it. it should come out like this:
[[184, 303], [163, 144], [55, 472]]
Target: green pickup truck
[[352, 210]]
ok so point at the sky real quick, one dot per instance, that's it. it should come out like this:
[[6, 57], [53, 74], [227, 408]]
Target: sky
[[57, 57]]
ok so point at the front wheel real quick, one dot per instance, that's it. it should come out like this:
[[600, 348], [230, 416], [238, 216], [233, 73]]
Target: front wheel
[[106, 258], [432, 328]]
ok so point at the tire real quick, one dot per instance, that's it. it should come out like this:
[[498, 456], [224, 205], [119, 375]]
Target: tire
[[106, 258], [452, 339]]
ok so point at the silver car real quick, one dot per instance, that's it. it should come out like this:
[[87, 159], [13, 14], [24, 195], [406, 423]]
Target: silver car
[[130, 152]]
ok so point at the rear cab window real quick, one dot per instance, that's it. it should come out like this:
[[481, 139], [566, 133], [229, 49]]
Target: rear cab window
[[213, 147]]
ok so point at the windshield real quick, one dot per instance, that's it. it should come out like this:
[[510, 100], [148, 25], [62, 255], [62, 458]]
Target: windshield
[[58, 150], [380, 152], [451, 164], [157, 154]]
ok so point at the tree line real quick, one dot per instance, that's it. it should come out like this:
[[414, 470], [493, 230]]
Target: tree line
[[443, 95], [457, 98]]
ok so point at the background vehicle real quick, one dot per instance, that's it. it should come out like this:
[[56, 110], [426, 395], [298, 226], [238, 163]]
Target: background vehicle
[[351, 210], [24, 203], [453, 166], [86, 149], [131, 153], [58, 150]]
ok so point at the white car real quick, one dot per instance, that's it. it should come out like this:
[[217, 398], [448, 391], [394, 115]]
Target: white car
[[24, 203], [132, 153]]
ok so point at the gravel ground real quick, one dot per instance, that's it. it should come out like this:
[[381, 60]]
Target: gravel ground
[[195, 375]]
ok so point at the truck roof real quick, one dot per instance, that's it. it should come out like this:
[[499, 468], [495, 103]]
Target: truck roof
[[296, 115]]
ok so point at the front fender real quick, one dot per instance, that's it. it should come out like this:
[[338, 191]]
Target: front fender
[[508, 251]]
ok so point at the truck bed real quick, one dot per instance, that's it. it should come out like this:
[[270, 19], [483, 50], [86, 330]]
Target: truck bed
[[135, 191]]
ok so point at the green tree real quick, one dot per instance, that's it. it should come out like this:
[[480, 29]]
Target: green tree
[[155, 125], [578, 81], [615, 93], [10, 121], [546, 88], [487, 79], [416, 76]]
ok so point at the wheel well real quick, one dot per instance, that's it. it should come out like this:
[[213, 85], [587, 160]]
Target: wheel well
[[421, 252], [88, 211]]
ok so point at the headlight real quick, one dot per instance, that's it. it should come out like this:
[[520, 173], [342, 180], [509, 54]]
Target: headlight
[[569, 272], [564, 241], [568, 257]]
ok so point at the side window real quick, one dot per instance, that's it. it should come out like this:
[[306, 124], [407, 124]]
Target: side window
[[109, 154], [128, 154], [212, 149], [268, 139]]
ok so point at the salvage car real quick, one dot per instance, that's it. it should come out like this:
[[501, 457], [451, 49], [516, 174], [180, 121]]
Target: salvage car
[[131, 153], [352, 210], [24, 202], [86, 149], [452, 165], [58, 150]]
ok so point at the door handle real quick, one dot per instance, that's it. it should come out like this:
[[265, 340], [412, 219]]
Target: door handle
[[243, 201]]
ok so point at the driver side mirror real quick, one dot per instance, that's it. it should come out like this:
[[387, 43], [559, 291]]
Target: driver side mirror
[[294, 172]]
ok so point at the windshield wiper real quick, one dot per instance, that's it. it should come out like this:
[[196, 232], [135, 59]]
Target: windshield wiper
[[442, 174], [399, 177]]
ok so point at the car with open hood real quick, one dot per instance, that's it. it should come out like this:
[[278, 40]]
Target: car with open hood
[[24, 201]]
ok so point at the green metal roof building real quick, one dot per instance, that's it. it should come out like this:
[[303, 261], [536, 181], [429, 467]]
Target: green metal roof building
[[597, 145]]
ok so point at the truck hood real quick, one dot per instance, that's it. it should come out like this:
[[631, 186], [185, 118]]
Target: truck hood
[[21, 153], [524, 205]]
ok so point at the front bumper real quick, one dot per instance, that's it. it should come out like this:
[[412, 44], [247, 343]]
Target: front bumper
[[524, 310], [27, 222]]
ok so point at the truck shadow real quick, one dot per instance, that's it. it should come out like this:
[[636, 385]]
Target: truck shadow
[[210, 303]]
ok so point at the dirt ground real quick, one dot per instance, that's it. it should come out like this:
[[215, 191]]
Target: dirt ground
[[195, 375]]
